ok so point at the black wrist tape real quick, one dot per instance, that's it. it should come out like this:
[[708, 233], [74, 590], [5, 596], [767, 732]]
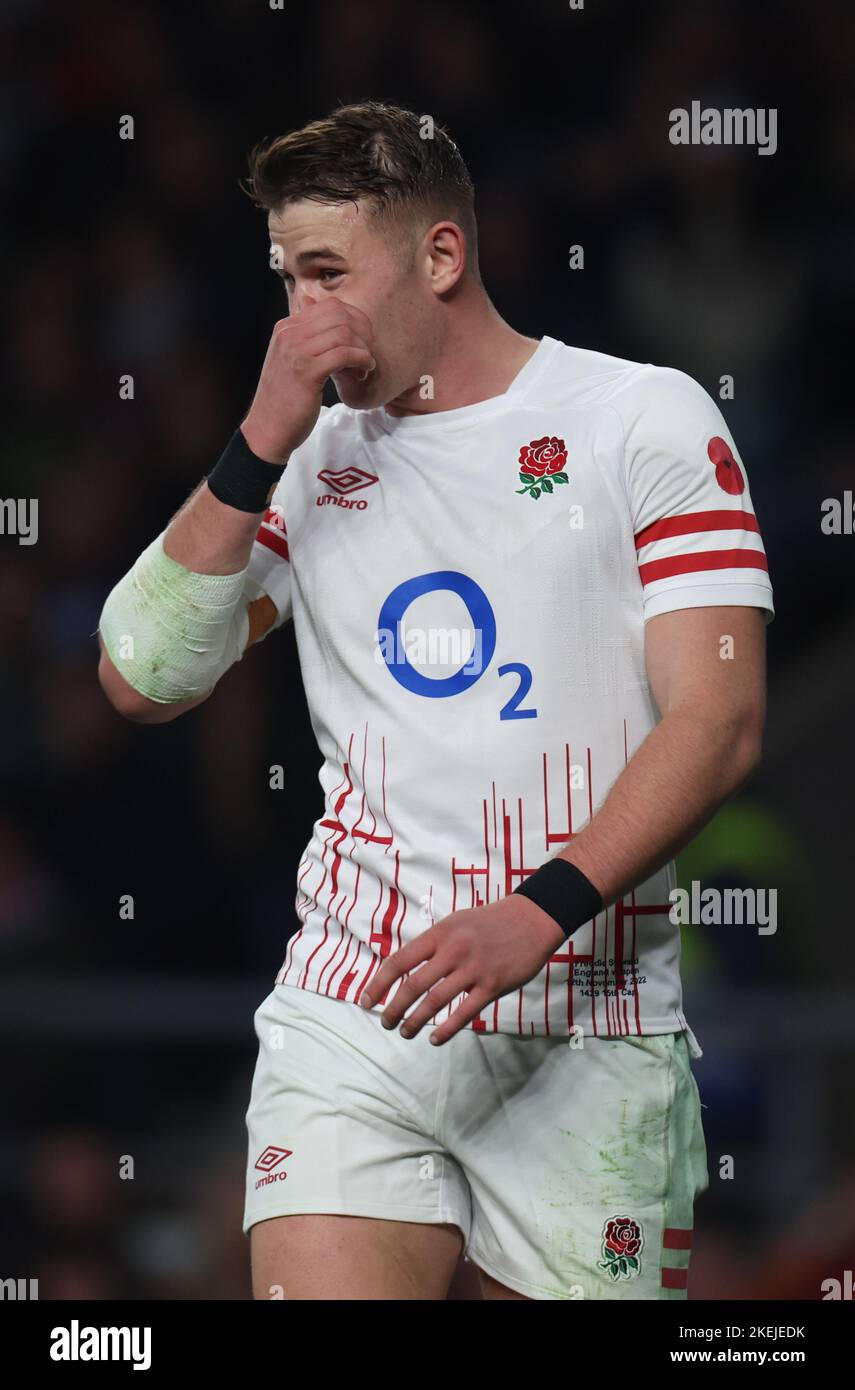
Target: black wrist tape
[[241, 479], [564, 893]]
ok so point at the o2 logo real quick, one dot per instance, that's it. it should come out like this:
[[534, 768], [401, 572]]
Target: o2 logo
[[393, 652]]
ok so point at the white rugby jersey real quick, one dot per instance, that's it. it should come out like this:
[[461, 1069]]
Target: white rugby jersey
[[469, 591]]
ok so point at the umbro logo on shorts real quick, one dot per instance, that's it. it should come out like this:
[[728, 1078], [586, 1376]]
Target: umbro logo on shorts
[[343, 480], [271, 1158]]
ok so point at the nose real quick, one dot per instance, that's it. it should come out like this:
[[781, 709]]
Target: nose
[[302, 298]]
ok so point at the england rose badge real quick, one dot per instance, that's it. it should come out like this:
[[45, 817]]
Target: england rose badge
[[541, 464], [622, 1240]]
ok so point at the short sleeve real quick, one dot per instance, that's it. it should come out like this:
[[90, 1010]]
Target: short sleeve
[[697, 538], [270, 561]]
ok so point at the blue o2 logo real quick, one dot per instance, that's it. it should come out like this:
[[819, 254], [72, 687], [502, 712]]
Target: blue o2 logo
[[389, 625], [483, 618]]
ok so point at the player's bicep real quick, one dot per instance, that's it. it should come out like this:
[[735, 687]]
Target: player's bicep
[[711, 661]]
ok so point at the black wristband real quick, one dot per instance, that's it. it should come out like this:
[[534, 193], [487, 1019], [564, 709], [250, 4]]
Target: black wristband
[[564, 893], [241, 479]]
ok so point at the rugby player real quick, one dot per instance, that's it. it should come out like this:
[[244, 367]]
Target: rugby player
[[529, 595]]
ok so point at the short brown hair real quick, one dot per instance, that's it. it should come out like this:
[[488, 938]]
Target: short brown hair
[[374, 151]]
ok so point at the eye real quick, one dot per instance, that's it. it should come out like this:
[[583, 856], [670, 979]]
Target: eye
[[334, 273]]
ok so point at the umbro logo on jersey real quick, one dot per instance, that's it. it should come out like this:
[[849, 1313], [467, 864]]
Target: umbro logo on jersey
[[541, 464], [343, 480], [270, 1159]]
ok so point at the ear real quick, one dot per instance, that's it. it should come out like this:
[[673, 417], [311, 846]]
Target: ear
[[445, 246]]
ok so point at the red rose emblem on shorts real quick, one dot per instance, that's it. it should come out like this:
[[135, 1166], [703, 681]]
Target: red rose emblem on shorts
[[622, 1242], [728, 474], [541, 465]]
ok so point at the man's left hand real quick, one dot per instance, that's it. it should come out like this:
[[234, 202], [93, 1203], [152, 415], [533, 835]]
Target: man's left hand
[[484, 952]]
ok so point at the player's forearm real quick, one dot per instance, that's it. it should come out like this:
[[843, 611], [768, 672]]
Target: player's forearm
[[179, 618], [682, 772], [209, 536]]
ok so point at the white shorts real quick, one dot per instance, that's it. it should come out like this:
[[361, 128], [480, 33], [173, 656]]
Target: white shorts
[[570, 1171]]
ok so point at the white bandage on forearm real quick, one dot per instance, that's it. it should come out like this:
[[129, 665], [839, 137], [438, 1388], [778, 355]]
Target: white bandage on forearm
[[173, 633]]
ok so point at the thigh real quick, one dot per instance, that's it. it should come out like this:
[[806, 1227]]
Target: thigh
[[352, 1257], [492, 1289], [343, 1172], [583, 1164]]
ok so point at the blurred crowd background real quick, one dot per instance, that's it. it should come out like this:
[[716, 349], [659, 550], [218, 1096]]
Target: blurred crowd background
[[133, 1036]]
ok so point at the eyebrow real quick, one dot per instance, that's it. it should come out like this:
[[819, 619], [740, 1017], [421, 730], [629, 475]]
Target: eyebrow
[[320, 253]]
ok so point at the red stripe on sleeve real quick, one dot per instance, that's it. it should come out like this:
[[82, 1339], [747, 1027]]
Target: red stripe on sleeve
[[274, 541], [674, 1278], [703, 560], [693, 522]]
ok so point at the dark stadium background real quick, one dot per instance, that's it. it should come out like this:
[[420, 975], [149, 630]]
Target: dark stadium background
[[134, 1037]]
